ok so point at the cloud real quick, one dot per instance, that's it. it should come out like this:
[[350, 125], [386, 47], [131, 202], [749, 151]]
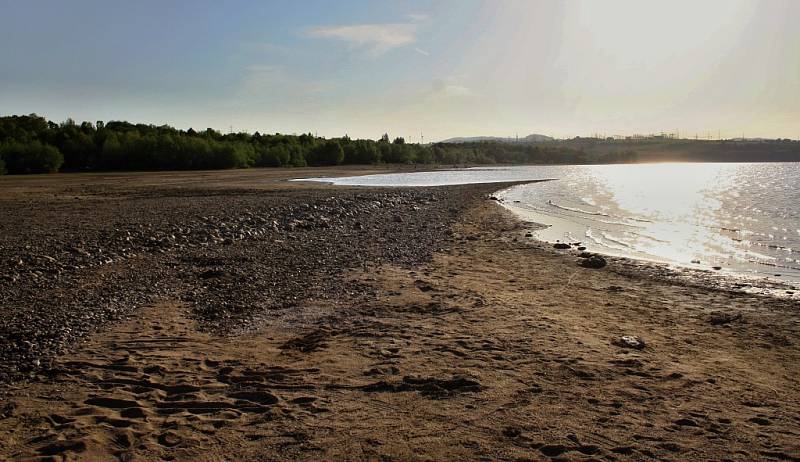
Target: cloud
[[449, 89], [373, 39], [422, 52]]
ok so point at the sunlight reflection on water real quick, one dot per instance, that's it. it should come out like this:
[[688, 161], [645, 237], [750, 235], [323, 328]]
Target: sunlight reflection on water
[[741, 217]]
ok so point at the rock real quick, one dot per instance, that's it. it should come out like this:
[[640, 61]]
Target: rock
[[595, 262], [528, 234], [630, 341], [561, 246], [721, 319]]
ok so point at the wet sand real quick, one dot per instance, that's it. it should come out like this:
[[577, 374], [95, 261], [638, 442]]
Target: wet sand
[[424, 328]]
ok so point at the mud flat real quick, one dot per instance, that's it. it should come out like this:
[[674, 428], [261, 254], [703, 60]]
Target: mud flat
[[235, 316]]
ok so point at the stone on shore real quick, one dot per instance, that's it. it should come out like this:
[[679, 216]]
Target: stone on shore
[[595, 262]]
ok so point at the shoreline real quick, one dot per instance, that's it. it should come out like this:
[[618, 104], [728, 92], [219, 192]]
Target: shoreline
[[671, 272], [709, 274], [317, 322], [730, 280]]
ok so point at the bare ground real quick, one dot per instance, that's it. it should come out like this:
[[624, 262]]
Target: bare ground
[[491, 347]]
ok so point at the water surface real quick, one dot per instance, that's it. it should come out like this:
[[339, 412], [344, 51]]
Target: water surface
[[743, 218]]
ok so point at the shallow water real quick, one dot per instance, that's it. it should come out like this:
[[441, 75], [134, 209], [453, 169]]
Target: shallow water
[[744, 218], [440, 177]]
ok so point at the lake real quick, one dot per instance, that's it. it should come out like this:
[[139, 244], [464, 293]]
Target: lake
[[741, 217]]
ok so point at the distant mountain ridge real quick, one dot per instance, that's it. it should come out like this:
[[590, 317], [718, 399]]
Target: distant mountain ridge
[[532, 138]]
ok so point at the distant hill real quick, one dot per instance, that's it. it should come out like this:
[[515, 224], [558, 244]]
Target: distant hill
[[533, 138]]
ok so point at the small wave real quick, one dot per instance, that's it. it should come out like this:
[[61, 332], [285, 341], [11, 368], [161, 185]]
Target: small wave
[[597, 214], [618, 223], [575, 209], [776, 247], [773, 265], [591, 236], [609, 238], [601, 243], [648, 237]]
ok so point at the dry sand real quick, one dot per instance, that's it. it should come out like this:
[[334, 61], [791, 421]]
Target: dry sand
[[497, 348]]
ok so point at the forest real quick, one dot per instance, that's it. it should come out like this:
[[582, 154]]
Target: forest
[[33, 144]]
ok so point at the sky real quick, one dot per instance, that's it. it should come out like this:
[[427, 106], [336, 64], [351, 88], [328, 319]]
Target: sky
[[432, 69]]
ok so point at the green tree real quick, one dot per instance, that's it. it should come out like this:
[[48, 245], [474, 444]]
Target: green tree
[[329, 152], [361, 152], [79, 150], [270, 156], [111, 152], [33, 157], [297, 157]]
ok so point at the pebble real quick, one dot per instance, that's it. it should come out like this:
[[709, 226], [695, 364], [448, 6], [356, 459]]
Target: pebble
[[630, 341], [158, 248]]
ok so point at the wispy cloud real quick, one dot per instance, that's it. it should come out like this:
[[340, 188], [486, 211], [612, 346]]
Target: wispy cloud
[[373, 39], [449, 89], [422, 52]]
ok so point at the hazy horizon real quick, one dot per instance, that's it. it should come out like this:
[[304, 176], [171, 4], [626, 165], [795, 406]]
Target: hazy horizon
[[445, 69]]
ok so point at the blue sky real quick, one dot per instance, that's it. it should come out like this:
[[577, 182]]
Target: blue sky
[[442, 68]]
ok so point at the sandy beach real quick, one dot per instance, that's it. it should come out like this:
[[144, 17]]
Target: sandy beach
[[237, 316]]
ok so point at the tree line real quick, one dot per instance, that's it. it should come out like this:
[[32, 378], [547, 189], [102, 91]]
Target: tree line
[[32, 144]]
